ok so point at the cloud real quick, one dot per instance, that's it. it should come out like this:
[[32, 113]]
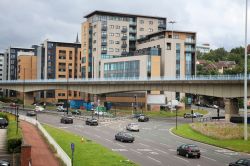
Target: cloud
[[28, 22]]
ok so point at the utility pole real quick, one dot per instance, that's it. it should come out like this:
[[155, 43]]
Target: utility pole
[[67, 104], [23, 86], [245, 81]]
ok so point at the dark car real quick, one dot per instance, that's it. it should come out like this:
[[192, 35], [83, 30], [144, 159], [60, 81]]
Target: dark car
[[124, 137], [67, 120], [3, 123], [241, 162], [91, 122], [31, 113], [4, 163], [137, 115], [76, 112], [189, 150], [143, 118]]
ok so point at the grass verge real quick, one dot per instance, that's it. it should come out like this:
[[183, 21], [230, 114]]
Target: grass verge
[[238, 145], [86, 152]]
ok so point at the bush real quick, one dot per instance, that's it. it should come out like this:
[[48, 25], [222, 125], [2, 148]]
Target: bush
[[4, 115], [14, 140]]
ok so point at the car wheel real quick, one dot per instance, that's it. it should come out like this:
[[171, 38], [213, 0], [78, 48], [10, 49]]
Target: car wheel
[[121, 140], [138, 130], [187, 155], [198, 157]]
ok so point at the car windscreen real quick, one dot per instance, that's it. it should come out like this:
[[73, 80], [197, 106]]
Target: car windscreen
[[194, 147]]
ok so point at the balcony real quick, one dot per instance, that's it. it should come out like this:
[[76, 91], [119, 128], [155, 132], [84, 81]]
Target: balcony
[[192, 41], [124, 53], [162, 26], [132, 23], [124, 30], [190, 49], [104, 35], [104, 43], [104, 52], [104, 28], [131, 38], [132, 30], [124, 37], [124, 45]]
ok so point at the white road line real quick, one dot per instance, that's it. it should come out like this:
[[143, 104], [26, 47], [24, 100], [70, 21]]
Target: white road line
[[181, 159], [144, 145], [164, 144], [180, 142], [135, 151], [97, 136], [121, 145], [108, 140], [208, 158], [154, 159], [161, 151]]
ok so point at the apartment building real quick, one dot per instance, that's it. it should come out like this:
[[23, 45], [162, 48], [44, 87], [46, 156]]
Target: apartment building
[[178, 55], [203, 48], [10, 67], [107, 35], [1, 70], [59, 60]]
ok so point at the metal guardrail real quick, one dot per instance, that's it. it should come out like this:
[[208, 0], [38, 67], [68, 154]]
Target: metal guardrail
[[184, 78]]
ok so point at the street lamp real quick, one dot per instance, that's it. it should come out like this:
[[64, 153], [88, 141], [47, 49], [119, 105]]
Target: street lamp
[[245, 81], [23, 85], [67, 103]]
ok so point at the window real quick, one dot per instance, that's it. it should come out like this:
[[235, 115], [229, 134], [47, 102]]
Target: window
[[124, 27], [104, 48], [117, 27], [94, 26], [176, 36], [141, 29], [168, 46], [111, 42], [94, 41], [150, 22], [117, 50], [117, 42], [111, 50], [112, 26], [117, 34], [150, 29], [111, 34], [94, 49], [141, 21]]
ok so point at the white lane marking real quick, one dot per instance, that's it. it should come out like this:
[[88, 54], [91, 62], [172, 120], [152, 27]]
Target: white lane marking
[[154, 159], [144, 145], [121, 145], [154, 153], [222, 154], [181, 159], [161, 151], [172, 150], [97, 136], [119, 150], [108, 140], [144, 150], [62, 127], [135, 151], [164, 144], [208, 158]]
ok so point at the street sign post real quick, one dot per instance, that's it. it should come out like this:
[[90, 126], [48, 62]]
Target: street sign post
[[72, 149]]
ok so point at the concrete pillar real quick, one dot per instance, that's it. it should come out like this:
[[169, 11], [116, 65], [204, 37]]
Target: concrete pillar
[[25, 155], [231, 108]]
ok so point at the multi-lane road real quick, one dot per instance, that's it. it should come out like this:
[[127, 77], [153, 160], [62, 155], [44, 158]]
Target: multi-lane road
[[154, 144]]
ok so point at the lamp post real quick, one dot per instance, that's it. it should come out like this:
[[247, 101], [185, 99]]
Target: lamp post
[[23, 85], [67, 103], [245, 81]]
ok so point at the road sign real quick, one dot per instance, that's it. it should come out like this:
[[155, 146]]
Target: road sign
[[72, 147]]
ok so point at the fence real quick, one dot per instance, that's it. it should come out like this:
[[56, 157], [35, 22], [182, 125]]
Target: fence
[[59, 150]]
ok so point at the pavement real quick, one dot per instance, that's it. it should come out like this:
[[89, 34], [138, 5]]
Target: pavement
[[40, 153]]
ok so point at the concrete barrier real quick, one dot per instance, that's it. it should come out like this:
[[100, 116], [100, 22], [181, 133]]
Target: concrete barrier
[[59, 150]]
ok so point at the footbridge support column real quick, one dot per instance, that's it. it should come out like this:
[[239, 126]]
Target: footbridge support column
[[231, 108]]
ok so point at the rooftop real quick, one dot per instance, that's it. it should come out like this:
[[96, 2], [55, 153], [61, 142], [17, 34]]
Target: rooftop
[[100, 12]]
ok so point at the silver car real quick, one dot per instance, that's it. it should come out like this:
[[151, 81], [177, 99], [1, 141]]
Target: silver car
[[133, 127]]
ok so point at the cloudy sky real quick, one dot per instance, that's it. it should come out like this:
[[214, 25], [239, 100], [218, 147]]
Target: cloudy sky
[[27, 22]]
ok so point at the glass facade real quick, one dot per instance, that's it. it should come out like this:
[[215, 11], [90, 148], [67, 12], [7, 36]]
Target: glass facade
[[178, 58], [188, 64], [122, 69]]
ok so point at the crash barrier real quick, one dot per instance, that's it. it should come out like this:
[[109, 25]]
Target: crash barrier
[[238, 119], [59, 150], [218, 117]]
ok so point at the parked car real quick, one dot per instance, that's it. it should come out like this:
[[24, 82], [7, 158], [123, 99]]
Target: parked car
[[39, 108], [101, 113], [31, 113], [124, 137], [241, 162], [91, 122], [67, 119], [187, 115], [3, 123], [76, 112], [143, 118], [189, 150], [197, 115], [4, 163], [60, 109], [137, 115], [132, 127]]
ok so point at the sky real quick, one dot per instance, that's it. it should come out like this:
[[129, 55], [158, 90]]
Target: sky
[[23, 23]]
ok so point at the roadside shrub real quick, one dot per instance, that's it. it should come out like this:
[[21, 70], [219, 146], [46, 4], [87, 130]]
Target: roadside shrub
[[14, 140], [4, 115]]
